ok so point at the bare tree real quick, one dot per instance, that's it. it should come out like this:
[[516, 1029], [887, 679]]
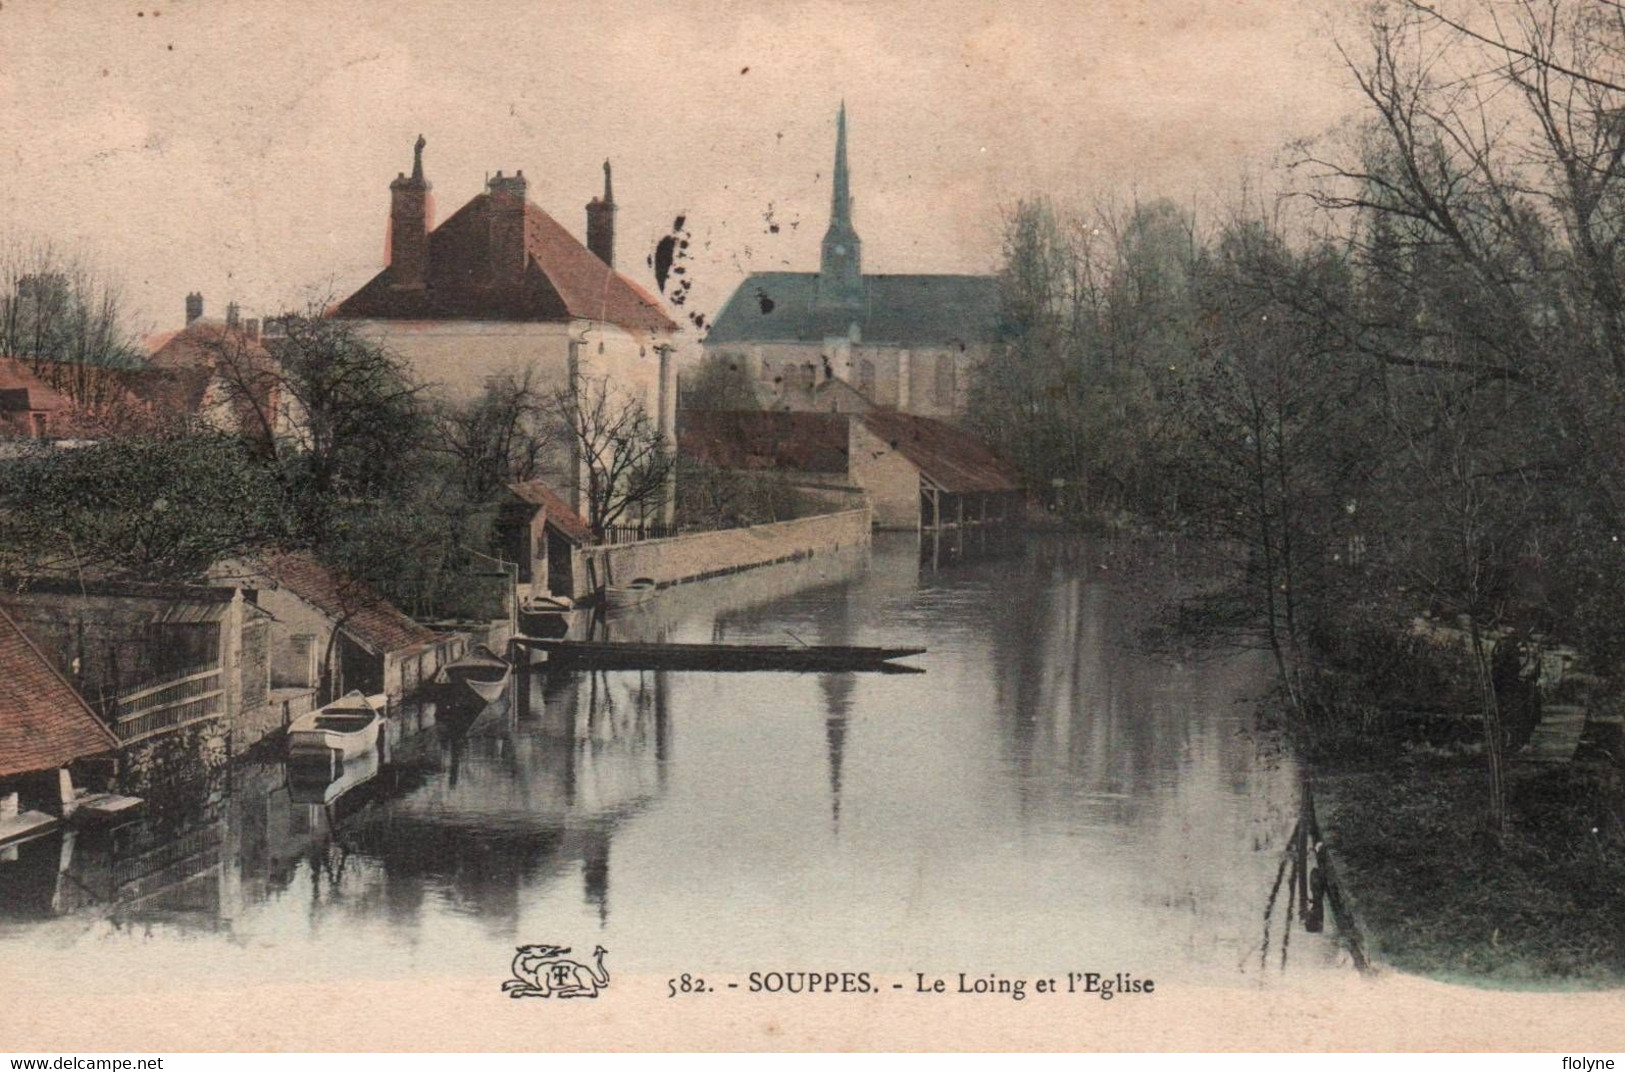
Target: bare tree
[[65, 316], [626, 465], [503, 436]]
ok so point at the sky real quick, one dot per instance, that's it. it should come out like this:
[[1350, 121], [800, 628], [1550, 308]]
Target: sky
[[245, 150]]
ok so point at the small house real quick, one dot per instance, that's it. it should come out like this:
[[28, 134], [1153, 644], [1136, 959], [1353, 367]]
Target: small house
[[538, 530], [30, 408], [922, 473], [334, 633]]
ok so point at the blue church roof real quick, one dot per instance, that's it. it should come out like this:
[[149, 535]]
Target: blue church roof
[[898, 310]]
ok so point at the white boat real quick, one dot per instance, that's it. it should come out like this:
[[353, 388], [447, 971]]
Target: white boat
[[545, 615], [314, 783], [349, 726], [547, 605], [620, 596], [482, 671]]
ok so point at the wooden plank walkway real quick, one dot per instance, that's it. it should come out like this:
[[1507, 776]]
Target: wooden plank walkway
[[15, 829]]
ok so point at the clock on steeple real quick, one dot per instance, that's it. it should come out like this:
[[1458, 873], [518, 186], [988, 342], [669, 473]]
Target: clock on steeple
[[840, 272]]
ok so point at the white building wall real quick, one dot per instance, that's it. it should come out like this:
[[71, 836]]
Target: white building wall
[[457, 358], [891, 480]]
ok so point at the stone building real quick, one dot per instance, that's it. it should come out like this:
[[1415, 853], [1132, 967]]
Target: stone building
[[217, 373], [537, 530], [156, 660], [502, 289], [334, 634], [905, 342], [914, 472]]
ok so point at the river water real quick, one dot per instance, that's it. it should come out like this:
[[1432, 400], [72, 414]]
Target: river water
[[1045, 797]]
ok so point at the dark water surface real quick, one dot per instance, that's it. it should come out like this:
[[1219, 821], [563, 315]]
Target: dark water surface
[[1044, 798]]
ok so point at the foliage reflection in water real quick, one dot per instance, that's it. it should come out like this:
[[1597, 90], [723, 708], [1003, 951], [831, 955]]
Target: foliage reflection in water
[[1046, 797]]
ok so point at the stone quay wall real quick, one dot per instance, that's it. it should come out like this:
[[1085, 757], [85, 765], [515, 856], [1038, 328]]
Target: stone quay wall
[[698, 555]]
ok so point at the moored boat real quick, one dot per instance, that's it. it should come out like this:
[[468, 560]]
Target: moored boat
[[630, 655], [311, 783], [546, 605], [546, 615], [349, 726], [621, 596], [482, 672]]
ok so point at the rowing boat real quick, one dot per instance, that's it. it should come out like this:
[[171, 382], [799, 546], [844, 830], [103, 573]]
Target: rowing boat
[[621, 596], [482, 672], [348, 726]]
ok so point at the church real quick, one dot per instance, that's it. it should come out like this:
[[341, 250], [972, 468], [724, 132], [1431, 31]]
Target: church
[[840, 340]]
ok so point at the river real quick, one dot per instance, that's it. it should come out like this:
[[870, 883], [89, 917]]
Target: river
[[1045, 797]]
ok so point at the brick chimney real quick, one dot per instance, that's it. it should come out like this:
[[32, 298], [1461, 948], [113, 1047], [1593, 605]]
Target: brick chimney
[[251, 328], [194, 307], [507, 226], [409, 225], [601, 223], [234, 315]]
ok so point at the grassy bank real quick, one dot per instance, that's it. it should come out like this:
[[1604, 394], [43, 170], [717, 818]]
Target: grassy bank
[[1434, 897]]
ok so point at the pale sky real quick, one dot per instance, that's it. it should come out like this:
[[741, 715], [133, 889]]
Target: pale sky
[[245, 150]]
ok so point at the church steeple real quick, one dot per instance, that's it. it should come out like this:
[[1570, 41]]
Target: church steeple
[[840, 270]]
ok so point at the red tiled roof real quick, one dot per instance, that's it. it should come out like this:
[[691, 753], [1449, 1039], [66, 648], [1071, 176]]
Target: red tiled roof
[[201, 344], [183, 365], [765, 439], [15, 375], [562, 280], [949, 457], [44, 724], [367, 617], [559, 513]]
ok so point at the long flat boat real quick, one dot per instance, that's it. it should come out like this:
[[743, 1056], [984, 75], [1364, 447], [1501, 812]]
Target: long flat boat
[[617, 655]]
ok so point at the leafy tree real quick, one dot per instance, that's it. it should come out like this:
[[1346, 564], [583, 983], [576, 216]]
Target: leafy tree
[[341, 415], [720, 381], [149, 509]]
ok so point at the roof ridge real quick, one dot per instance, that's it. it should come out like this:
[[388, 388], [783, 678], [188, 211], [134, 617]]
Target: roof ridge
[[105, 730]]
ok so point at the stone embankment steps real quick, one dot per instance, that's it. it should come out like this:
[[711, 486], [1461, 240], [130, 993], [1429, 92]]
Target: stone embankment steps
[[1555, 739]]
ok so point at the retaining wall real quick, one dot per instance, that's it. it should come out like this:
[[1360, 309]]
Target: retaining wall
[[696, 556]]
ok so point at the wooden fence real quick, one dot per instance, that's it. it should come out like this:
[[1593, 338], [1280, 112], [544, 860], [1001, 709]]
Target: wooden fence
[[195, 696]]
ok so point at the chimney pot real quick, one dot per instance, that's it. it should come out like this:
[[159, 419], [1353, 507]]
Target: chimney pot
[[233, 314], [506, 222], [194, 307], [409, 225], [601, 223]]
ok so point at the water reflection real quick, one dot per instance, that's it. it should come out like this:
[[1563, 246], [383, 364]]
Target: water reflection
[[1045, 797]]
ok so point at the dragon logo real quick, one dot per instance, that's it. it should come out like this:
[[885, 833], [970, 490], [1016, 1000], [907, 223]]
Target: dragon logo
[[541, 971]]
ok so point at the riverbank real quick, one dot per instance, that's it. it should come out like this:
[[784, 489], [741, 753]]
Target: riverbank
[[1433, 897], [701, 556]]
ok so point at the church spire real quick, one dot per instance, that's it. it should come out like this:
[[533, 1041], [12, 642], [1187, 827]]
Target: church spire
[[840, 270], [840, 209]]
